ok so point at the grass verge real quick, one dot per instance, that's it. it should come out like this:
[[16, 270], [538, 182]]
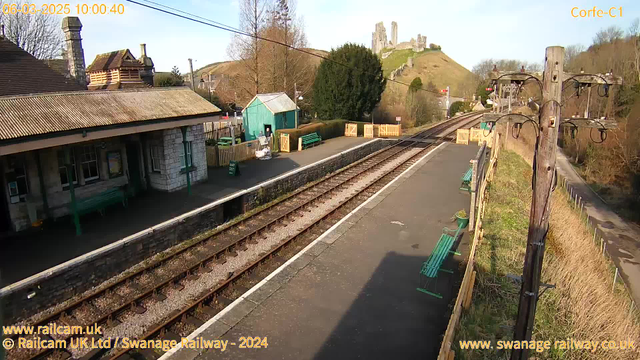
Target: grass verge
[[582, 307]]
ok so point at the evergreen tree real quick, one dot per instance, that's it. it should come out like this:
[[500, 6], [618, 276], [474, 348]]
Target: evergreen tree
[[347, 92]]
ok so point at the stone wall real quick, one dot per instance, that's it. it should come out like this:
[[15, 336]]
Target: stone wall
[[171, 175], [58, 197], [80, 274]]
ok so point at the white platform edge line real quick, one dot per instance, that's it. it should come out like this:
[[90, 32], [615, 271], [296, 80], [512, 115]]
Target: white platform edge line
[[122, 242], [257, 286]]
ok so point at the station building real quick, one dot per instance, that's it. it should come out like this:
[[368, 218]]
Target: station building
[[66, 150]]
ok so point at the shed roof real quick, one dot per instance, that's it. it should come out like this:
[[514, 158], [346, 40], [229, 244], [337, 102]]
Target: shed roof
[[22, 73], [38, 114], [275, 102]]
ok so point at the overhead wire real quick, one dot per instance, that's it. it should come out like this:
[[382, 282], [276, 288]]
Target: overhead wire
[[221, 26]]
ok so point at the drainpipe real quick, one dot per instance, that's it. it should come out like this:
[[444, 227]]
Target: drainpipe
[[186, 163], [74, 205], [43, 188]]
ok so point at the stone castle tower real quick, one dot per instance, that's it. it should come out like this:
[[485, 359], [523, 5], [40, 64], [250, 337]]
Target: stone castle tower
[[394, 33], [71, 27], [379, 40]]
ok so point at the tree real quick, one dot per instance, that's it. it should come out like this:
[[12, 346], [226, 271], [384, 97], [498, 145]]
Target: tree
[[482, 92], [416, 84], [608, 35], [246, 49], [571, 52], [174, 78], [284, 67], [459, 106], [38, 34], [348, 84]]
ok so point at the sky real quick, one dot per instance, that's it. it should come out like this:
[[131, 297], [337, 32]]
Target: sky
[[468, 30]]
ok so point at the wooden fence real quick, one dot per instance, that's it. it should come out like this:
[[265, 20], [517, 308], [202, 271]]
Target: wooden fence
[[466, 288], [217, 133], [390, 130], [217, 156]]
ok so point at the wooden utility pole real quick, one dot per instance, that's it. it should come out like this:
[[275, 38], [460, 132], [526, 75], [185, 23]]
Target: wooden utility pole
[[543, 181], [193, 84]]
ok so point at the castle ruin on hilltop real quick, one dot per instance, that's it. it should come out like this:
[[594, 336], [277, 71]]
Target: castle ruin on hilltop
[[379, 40]]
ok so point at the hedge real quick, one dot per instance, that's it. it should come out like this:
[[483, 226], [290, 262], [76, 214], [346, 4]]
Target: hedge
[[326, 129]]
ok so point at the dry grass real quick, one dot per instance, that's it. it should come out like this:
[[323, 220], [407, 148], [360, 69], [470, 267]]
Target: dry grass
[[582, 307]]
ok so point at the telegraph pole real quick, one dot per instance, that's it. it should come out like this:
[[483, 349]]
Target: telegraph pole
[[295, 100], [544, 178], [193, 85]]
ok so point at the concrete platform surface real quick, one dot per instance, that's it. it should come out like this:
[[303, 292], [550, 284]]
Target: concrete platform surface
[[352, 293], [31, 252]]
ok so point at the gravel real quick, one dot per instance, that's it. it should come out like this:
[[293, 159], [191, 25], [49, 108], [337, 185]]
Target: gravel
[[134, 325]]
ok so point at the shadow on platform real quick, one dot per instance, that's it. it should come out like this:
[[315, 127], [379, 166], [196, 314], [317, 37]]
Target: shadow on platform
[[390, 319]]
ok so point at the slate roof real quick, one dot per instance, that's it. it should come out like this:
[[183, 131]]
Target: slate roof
[[22, 73], [38, 114], [114, 60]]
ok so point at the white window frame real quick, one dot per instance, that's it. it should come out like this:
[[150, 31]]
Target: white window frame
[[62, 166], [182, 157], [155, 152], [91, 151]]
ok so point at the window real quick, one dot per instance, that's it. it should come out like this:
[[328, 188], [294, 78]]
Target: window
[[17, 183], [189, 155], [89, 163], [156, 157], [64, 180]]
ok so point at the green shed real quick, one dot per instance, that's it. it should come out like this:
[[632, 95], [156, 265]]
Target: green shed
[[268, 113]]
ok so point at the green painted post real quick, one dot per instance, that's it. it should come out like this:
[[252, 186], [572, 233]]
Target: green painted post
[[74, 205], [186, 163], [43, 188]]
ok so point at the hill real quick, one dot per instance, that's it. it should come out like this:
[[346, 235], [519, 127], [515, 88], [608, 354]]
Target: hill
[[233, 68], [429, 65]]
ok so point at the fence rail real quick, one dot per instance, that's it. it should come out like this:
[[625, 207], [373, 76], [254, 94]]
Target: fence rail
[[217, 156], [215, 133], [463, 299], [578, 205]]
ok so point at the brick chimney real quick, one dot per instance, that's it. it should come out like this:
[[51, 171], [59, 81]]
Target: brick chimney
[[71, 27]]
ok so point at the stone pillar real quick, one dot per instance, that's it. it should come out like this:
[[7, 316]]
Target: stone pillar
[[71, 27], [394, 33]]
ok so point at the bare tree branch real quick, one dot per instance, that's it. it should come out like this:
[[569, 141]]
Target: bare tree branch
[[38, 34]]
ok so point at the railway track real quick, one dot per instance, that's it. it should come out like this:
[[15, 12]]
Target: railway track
[[172, 297]]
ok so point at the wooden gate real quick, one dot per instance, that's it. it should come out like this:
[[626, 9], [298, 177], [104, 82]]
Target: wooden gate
[[475, 135], [368, 130], [351, 130], [285, 145], [462, 136]]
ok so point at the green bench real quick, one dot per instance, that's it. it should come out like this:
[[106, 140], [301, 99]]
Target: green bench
[[310, 140], [432, 266], [100, 201], [466, 180]]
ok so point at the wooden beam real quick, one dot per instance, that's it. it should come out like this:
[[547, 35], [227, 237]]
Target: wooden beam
[[582, 78], [579, 122], [591, 123]]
